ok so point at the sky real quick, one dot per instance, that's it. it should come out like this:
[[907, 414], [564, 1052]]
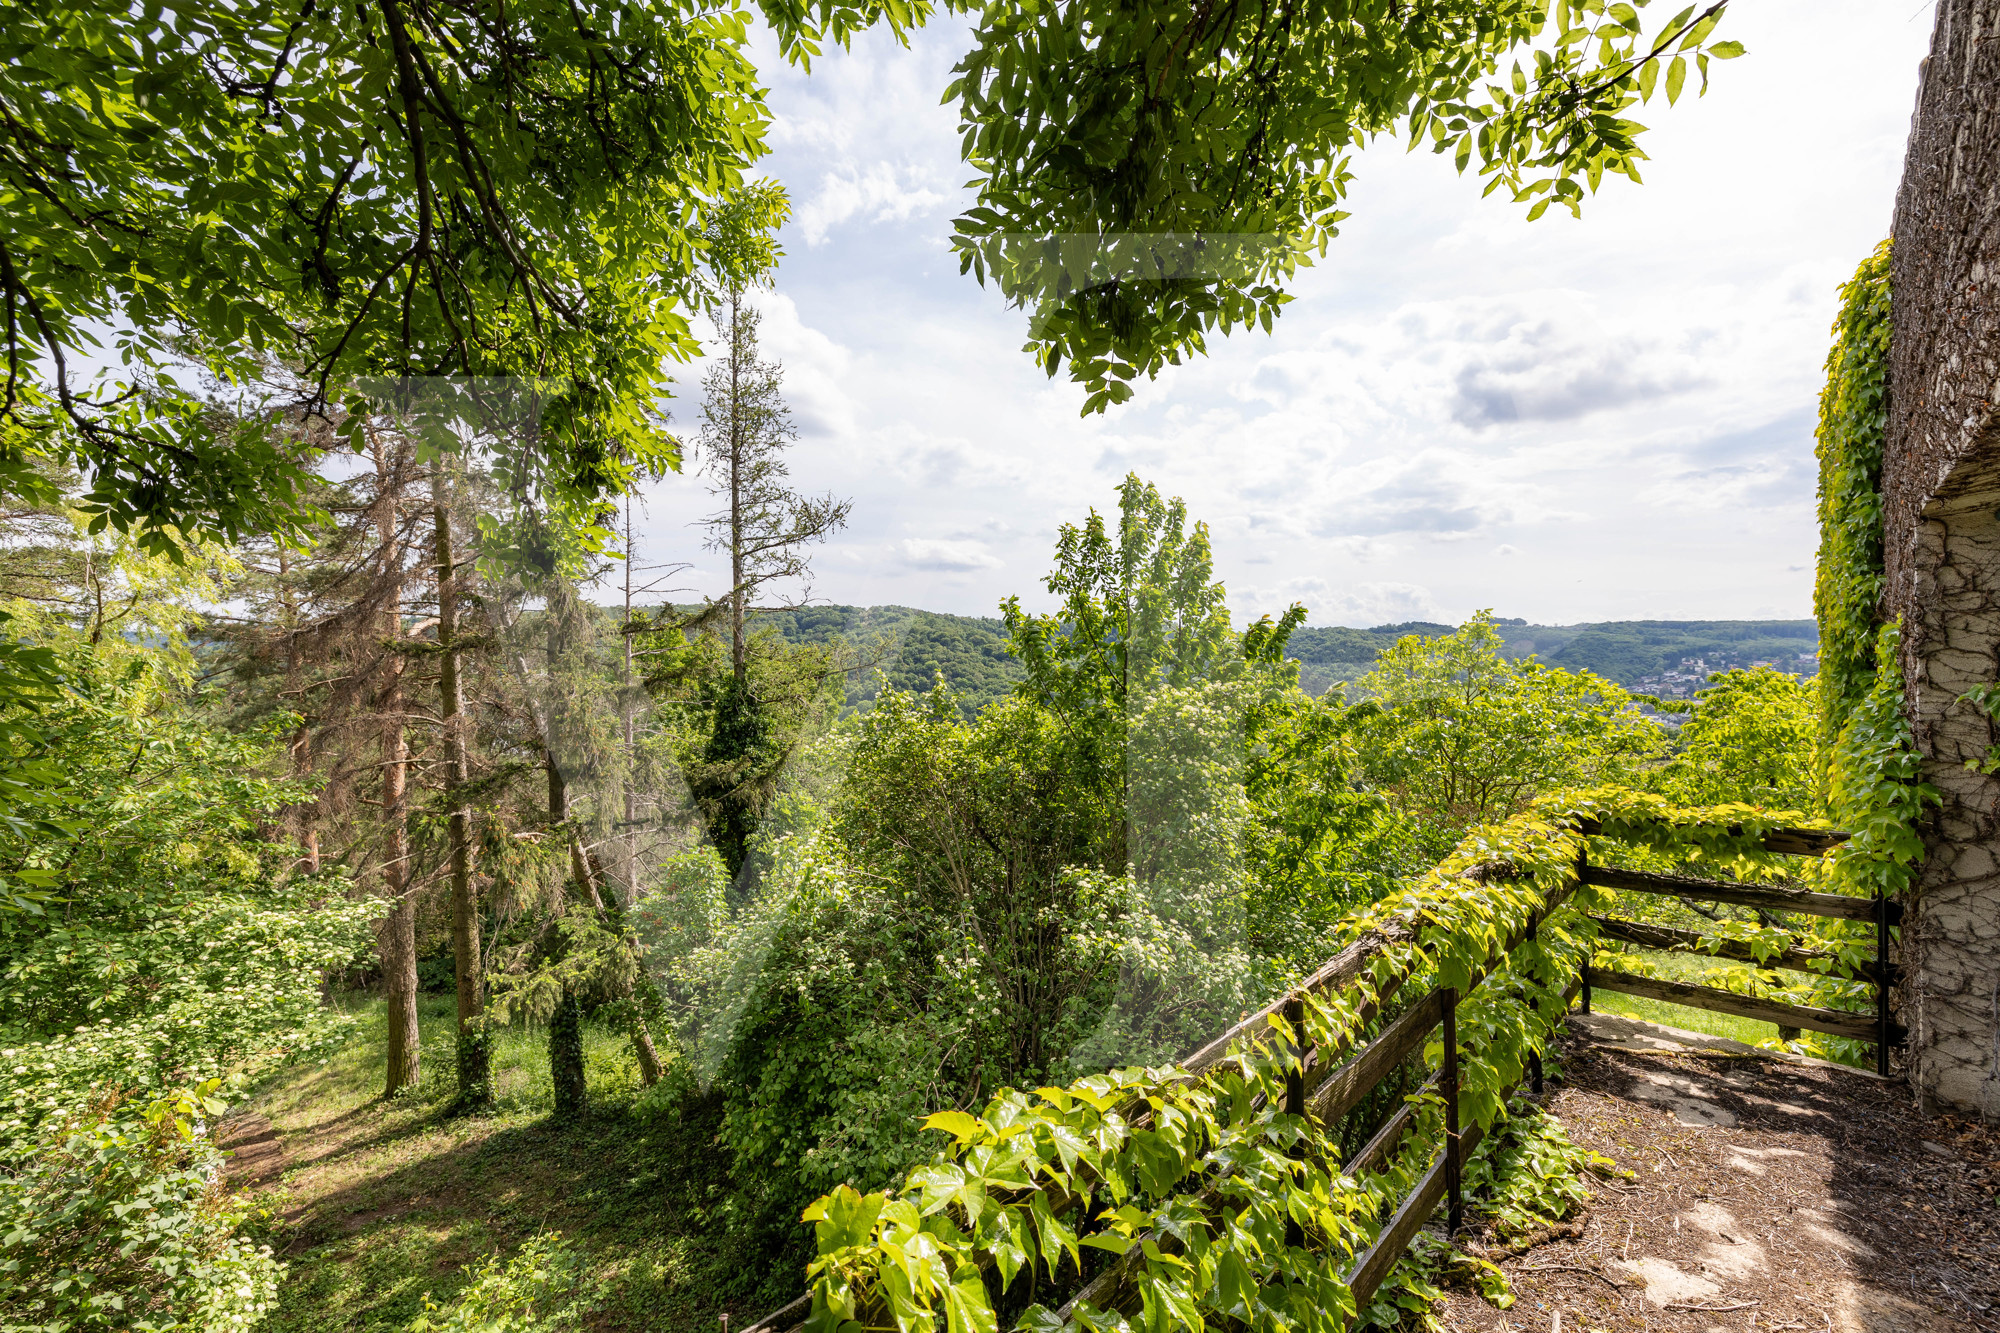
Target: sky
[[1566, 420]]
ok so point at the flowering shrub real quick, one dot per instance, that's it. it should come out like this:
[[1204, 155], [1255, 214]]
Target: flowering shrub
[[119, 1220]]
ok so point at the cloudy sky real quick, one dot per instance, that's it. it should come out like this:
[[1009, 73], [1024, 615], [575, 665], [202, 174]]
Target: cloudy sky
[[1562, 420]]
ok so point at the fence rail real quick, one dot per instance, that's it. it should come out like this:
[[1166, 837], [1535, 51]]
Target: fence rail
[[1330, 1083]]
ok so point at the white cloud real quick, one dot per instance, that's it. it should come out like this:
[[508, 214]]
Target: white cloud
[[1562, 420], [881, 192], [926, 553]]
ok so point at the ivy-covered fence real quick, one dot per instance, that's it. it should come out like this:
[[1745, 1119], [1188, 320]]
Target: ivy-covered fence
[[1215, 1191]]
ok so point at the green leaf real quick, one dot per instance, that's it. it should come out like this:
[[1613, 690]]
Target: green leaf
[[966, 1307], [963, 1128], [1676, 76]]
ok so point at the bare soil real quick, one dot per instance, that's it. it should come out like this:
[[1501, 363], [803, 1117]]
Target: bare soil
[[1769, 1194]]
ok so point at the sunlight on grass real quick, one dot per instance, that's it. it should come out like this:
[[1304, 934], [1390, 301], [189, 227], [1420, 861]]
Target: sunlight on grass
[[382, 1202], [1695, 970]]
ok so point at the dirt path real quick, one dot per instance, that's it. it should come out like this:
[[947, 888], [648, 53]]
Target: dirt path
[[256, 1153], [1771, 1195]]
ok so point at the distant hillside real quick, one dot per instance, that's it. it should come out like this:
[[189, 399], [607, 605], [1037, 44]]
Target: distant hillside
[[911, 648], [1671, 658]]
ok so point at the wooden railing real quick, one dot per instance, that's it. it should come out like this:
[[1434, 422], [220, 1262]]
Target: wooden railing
[[1333, 1082], [1878, 1028]]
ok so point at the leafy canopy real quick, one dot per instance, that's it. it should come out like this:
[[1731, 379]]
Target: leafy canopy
[[399, 188], [1149, 175]]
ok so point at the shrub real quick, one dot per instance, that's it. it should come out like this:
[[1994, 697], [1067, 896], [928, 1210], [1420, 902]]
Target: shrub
[[119, 1219], [544, 1288]]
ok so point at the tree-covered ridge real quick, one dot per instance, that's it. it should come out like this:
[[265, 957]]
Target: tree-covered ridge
[[1665, 657]]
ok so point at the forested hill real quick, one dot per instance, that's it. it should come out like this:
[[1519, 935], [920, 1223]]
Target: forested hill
[[1665, 657], [910, 648]]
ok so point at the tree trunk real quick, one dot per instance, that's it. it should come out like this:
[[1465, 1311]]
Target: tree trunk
[[398, 934], [650, 1067], [566, 1026], [739, 649], [475, 1082]]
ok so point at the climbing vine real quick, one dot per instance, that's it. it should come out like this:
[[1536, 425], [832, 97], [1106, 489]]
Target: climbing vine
[[1853, 421], [1214, 1204]]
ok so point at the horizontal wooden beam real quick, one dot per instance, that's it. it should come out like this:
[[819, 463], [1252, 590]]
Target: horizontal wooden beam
[[1770, 897], [1785, 841], [1347, 1085], [1711, 946], [1859, 1027], [1394, 1238]]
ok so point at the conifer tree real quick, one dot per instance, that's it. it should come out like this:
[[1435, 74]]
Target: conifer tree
[[763, 527]]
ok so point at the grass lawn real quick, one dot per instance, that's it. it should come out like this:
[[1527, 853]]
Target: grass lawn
[[1698, 969], [379, 1203]]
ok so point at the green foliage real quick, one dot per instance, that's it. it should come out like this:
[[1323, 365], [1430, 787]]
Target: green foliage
[[1875, 788], [397, 189], [544, 1287], [1750, 739], [736, 737], [969, 654], [1139, 611], [1528, 1172], [177, 944], [1464, 735], [119, 1221], [1853, 422], [1196, 1177], [1322, 841], [1148, 178]]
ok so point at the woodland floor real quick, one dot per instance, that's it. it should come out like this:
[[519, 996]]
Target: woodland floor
[[374, 1204], [1771, 1195]]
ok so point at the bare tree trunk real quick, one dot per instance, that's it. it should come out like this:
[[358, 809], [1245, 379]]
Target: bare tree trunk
[[739, 650], [566, 1026], [475, 1082], [305, 825], [398, 932], [650, 1067]]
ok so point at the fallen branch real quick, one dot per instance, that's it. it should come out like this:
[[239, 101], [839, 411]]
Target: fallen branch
[[1714, 1309], [1587, 1272]]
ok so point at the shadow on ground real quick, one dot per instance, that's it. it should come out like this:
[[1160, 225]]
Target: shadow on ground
[[1770, 1195]]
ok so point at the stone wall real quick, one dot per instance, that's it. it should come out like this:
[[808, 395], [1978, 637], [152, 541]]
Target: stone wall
[[1941, 492]]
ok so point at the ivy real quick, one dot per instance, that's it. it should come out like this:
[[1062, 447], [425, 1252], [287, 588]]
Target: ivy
[[1190, 1181], [1853, 421], [1875, 786]]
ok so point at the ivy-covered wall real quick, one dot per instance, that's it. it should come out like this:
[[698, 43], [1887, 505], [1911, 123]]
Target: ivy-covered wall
[[1853, 419]]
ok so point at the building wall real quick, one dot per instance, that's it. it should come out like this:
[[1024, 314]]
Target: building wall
[[1941, 493]]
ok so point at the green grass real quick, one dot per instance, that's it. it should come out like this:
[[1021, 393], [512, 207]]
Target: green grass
[[382, 1202], [1696, 970]]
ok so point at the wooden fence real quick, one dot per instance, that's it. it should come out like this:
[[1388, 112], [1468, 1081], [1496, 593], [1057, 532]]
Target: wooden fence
[[1333, 1082], [1879, 1028]]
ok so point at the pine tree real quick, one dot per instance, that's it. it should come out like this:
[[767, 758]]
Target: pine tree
[[763, 527]]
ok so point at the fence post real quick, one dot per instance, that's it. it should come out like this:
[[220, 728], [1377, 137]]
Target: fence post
[[1295, 1094], [1535, 1055], [1583, 992], [1881, 983], [1448, 1085]]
